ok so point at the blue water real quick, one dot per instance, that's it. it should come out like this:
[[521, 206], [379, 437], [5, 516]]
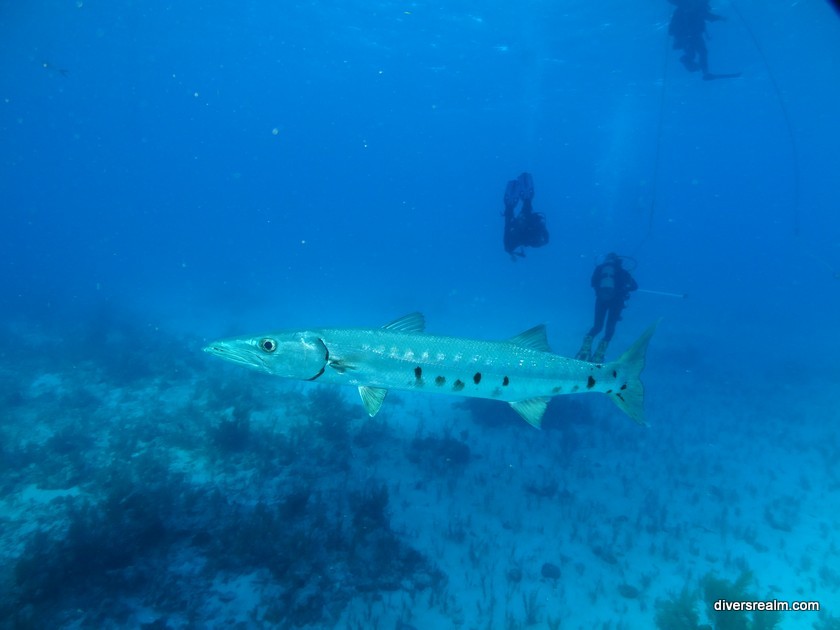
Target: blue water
[[172, 174]]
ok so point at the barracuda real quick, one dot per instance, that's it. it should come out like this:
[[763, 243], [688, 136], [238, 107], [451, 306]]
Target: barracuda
[[521, 371]]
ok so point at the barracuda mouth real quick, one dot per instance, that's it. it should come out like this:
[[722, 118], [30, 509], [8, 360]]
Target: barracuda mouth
[[235, 355]]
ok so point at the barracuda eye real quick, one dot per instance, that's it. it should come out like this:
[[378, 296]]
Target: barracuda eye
[[268, 345]]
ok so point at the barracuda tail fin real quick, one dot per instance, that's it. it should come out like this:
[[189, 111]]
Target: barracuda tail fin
[[630, 397]]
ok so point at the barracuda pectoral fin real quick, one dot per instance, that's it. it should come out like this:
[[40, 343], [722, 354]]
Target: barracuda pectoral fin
[[372, 398], [532, 410], [534, 338], [341, 366]]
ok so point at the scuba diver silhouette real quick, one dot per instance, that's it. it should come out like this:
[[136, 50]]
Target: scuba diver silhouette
[[688, 28], [527, 229], [612, 284]]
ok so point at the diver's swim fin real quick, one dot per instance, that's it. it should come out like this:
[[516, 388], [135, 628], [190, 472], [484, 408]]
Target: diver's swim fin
[[711, 77], [512, 194]]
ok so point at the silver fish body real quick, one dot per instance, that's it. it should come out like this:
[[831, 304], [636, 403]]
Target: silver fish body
[[521, 371]]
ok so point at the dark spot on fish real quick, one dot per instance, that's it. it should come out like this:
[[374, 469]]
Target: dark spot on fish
[[557, 390], [458, 386], [609, 391], [615, 373], [623, 387], [620, 397], [505, 381], [590, 383], [439, 380], [418, 373], [477, 378], [575, 388]]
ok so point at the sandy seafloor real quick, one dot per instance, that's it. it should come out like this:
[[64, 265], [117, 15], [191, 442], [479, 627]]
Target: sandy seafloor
[[174, 173], [149, 488]]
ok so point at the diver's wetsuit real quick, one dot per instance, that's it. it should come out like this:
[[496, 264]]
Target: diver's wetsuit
[[612, 284]]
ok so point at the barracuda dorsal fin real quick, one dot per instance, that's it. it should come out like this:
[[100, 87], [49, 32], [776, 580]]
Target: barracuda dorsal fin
[[372, 398], [531, 410], [534, 338], [411, 323]]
